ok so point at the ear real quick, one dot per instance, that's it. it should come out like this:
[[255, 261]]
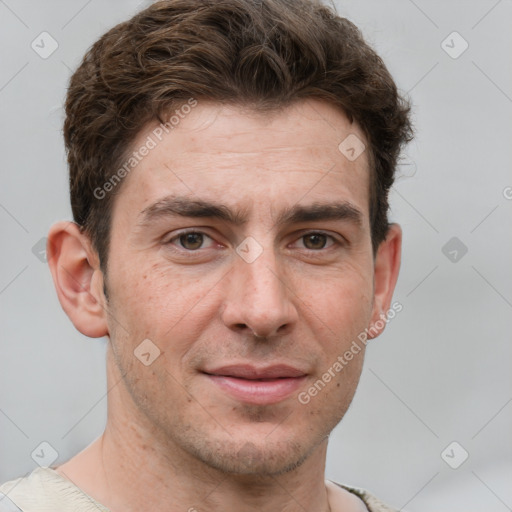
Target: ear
[[387, 266], [76, 273]]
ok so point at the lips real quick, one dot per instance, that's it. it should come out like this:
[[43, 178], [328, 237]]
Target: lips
[[257, 385], [243, 371]]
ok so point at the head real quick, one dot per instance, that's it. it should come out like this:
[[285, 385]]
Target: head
[[230, 163]]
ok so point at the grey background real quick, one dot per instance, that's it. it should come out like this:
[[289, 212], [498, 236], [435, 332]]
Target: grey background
[[440, 372]]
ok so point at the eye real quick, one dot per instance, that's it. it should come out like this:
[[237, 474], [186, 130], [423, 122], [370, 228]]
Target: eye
[[191, 240], [316, 241]]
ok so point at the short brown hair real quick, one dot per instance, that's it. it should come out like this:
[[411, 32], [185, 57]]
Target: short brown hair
[[264, 54]]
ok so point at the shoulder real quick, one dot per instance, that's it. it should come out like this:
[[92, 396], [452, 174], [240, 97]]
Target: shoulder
[[366, 501], [44, 490]]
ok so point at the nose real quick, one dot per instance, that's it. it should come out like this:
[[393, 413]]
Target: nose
[[259, 299]]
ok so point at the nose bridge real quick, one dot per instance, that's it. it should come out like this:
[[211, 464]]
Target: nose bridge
[[262, 276], [259, 297]]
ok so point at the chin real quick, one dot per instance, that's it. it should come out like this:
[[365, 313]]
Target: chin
[[241, 457]]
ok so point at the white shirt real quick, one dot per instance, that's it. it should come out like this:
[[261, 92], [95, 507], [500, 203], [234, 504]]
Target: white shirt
[[44, 490]]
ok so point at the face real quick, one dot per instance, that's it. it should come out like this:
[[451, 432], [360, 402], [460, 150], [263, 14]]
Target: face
[[241, 248]]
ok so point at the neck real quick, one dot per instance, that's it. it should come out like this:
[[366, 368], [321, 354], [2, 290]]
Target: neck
[[132, 466], [138, 476]]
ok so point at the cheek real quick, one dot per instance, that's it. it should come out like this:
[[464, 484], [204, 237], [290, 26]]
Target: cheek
[[170, 308], [151, 294], [341, 300]]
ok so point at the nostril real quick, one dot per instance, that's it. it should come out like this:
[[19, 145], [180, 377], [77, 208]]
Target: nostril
[[245, 326]]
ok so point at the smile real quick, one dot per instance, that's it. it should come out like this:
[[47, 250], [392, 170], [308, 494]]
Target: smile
[[262, 386]]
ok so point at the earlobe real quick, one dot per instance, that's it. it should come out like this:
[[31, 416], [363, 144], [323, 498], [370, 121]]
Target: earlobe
[[77, 278], [387, 266]]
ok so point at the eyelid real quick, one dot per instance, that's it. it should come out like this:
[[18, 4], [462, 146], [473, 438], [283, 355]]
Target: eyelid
[[337, 240], [186, 231]]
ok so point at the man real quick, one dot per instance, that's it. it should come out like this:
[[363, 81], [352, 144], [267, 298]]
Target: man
[[230, 163]]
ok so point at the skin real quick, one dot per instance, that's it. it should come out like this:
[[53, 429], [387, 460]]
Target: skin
[[174, 440]]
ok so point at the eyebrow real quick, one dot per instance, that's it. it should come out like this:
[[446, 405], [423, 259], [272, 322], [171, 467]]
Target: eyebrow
[[321, 211], [185, 207], [196, 208]]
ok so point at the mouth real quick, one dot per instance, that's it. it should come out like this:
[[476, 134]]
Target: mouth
[[259, 386]]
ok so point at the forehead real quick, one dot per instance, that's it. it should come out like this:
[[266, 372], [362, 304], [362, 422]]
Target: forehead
[[302, 153]]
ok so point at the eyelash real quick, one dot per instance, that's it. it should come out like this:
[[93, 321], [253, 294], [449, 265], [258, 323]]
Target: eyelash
[[333, 239]]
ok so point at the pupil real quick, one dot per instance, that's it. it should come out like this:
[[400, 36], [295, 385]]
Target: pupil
[[191, 240], [317, 241]]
